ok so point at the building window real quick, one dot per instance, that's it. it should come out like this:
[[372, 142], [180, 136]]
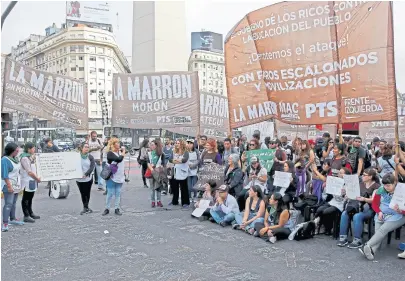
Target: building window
[[94, 112], [93, 58], [109, 93], [195, 65], [204, 82], [93, 102], [81, 68], [72, 58], [64, 49], [109, 72], [92, 91], [81, 58], [73, 48], [81, 48], [92, 37], [92, 69], [73, 69], [101, 70], [100, 50]]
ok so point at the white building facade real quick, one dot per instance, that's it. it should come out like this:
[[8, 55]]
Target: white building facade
[[88, 54], [211, 71]]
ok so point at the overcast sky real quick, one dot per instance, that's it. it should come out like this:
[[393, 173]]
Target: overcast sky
[[213, 15]]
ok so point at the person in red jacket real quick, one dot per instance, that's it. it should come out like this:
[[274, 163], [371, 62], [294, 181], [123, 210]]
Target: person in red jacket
[[386, 219]]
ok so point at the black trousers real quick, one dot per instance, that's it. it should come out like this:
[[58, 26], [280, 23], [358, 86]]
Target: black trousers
[[327, 214], [26, 203], [181, 185], [241, 199], [85, 190], [280, 233], [144, 168]]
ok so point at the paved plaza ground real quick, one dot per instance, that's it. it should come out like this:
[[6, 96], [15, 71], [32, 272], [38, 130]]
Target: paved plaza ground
[[168, 245]]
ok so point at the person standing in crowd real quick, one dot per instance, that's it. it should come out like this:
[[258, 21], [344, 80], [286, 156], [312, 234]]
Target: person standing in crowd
[[327, 149], [168, 151], [202, 143], [297, 148], [193, 163], [386, 162], [288, 149], [253, 145], [280, 157], [377, 146], [143, 155], [256, 135], [10, 180], [277, 224], [356, 156], [104, 156], [360, 210], [29, 181], [180, 174], [225, 208], [339, 160], [254, 211], [387, 219], [84, 184], [95, 150], [156, 162], [210, 154], [115, 158], [228, 151]]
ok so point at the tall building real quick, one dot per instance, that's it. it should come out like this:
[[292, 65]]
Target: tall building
[[88, 54], [159, 36], [211, 71]]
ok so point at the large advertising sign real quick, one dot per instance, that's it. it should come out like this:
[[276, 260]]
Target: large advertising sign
[[159, 100], [207, 41], [46, 95], [305, 132], [311, 63], [88, 11]]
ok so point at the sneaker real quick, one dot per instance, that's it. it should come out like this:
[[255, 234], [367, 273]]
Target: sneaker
[[153, 205], [203, 218], [256, 234], [4, 227], [222, 223], [35, 217], [317, 221], [89, 211], [84, 211], [272, 239], [185, 206], [28, 219], [212, 220], [361, 251], [355, 244], [236, 226], [100, 188], [251, 231], [16, 222], [401, 255], [342, 241], [159, 204], [368, 252], [117, 212], [106, 212]]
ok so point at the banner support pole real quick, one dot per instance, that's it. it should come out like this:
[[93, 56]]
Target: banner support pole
[[275, 128]]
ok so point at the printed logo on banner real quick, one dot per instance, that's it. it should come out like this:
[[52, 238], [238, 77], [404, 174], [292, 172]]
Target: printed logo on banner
[[281, 61]]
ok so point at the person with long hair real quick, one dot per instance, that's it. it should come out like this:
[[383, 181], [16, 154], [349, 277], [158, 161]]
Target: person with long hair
[[386, 219], [210, 154], [10, 180], [386, 162], [180, 174], [339, 160], [143, 155], [209, 194], [254, 211], [115, 158], [277, 224], [296, 144], [156, 161], [193, 162], [327, 149], [289, 192], [234, 178], [29, 181], [253, 145], [84, 184], [360, 210]]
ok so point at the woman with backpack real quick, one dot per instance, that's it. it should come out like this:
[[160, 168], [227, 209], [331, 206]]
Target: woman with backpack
[[156, 162], [277, 224], [359, 210], [142, 159], [387, 219], [254, 211]]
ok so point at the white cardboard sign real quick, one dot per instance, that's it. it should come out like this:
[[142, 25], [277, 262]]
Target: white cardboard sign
[[282, 179], [352, 186], [59, 166], [203, 205], [399, 197], [334, 185]]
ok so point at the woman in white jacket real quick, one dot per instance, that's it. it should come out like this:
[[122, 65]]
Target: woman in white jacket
[[193, 161]]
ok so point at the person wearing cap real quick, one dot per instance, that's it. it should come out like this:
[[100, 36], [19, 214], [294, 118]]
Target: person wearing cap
[[193, 162], [225, 208]]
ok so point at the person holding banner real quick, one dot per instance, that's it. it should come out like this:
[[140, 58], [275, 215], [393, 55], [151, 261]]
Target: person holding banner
[[115, 159], [29, 181], [359, 210], [10, 181], [387, 219], [84, 184]]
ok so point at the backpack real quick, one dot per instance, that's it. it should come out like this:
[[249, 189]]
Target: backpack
[[303, 231]]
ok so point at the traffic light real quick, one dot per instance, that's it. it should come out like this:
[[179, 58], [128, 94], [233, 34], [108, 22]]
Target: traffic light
[[5, 121]]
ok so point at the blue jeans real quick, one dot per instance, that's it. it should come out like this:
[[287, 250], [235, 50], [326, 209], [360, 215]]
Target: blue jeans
[[10, 200], [113, 188], [358, 222], [220, 216], [239, 219], [191, 181]]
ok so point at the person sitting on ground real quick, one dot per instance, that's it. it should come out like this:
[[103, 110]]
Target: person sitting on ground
[[360, 210], [225, 208], [254, 211], [387, 219], [289, 192], [234, 175], [210, 195], [277, 224]]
